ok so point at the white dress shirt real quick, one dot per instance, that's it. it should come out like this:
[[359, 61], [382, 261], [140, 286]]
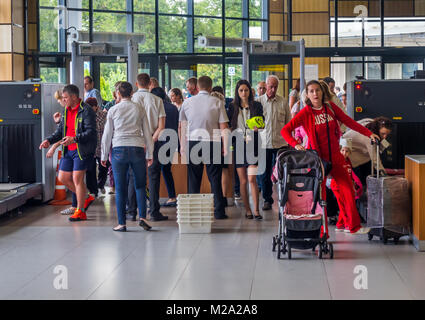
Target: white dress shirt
[[277, 115], [153, 105], [127, 126], [203, 114]]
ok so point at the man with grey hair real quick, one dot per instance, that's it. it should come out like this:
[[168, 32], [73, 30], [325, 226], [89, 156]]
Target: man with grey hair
[[277, 114]]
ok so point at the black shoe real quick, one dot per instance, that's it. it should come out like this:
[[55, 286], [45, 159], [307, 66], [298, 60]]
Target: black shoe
[[267, 206], [122, 229], [222, 217], [144, 225], [159, 217], [249, 216], [258, 217]]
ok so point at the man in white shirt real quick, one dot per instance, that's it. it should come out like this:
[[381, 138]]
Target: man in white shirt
[[277, 115], [206, 122], [155, 112]]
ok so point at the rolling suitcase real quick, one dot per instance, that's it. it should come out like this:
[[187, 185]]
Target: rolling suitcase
[[389, 211]]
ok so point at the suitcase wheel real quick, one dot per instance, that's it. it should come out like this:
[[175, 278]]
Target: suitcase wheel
[[370, 236]]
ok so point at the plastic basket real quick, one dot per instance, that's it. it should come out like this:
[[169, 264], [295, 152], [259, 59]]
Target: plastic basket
[[191, 199], [200, 225], [195, 209]]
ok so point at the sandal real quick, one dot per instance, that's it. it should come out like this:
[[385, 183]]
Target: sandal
[[249, 216]]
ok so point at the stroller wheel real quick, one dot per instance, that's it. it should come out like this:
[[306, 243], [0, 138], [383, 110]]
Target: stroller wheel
[[274, 244], [331, 250], [370, 236], [320, 252], [313, 249], [289, 252], [279, 249]]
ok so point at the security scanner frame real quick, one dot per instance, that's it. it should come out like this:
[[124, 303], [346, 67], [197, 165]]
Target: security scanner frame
[[256, 52], [402, 101], [105, 44], [25, 119]]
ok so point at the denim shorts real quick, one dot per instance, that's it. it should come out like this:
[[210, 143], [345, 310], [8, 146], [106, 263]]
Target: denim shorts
[[72, 162]]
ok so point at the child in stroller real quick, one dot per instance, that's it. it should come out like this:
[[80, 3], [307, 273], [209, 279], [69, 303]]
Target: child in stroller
[[302, 220]]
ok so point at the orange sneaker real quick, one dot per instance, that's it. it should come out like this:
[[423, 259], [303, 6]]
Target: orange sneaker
[[88, 202], [78, 215]]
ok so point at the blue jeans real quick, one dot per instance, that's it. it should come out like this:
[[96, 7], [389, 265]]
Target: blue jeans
[[124, 158], [265, 180]]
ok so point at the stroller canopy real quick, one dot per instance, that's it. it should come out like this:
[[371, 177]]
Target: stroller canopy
[[294, 160]]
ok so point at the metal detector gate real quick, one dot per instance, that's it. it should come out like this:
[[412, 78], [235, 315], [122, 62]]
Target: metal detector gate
[[272, 53]]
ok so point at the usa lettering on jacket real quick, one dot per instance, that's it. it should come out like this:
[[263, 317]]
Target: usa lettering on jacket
[[321, 119]]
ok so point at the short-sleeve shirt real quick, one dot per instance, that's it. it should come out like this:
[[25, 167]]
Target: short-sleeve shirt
[[203, 113], [277, 114], [153, 105]]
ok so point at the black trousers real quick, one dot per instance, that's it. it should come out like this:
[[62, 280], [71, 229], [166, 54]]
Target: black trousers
[[214, 170], [154, 174], [102, 174], [91, 179]]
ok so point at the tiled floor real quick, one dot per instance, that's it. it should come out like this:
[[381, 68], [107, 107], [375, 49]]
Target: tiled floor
[[233, 262]]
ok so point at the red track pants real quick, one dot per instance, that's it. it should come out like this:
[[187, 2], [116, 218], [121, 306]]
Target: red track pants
[[342, 186]]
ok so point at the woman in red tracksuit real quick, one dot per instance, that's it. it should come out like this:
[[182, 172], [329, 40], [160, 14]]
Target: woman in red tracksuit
[[313, 118]]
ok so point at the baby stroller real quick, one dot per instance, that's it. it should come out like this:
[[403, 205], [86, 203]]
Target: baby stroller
[[301, 210]]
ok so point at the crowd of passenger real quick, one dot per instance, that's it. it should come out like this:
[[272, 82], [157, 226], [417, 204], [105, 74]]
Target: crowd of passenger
[[124, 139]]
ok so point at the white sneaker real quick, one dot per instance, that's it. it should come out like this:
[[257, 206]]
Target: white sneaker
[[339, 229], [362, 231], [68, 211], [347, 231]]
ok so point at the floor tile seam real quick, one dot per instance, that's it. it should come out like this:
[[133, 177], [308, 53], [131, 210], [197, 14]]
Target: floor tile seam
[[112, 272], [255, 267], [185, 268], [400, 276], [45, 269]]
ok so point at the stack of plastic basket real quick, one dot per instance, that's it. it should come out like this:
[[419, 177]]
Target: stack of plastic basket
[[195, 213]]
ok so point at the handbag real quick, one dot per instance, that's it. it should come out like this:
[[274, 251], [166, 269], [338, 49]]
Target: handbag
[[327, 165]]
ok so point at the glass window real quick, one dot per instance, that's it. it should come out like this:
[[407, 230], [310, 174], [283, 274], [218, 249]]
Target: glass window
[[256, 9], [49, 38], [120, 5], [53, 75], [78, 4], [232, 78], [255, 29], [350, 33], [145, 24], [111, 73], [80, 21], [404, 33], [144, 5], [214, 71], [233, 8], [109, 22], [211, 29], [401, 70], [48, 3], [178, 80], [233, 35], [172, 34], [208, 8], [172, 6]]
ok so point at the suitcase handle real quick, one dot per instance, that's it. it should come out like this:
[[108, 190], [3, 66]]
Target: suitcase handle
[[377, 142]]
